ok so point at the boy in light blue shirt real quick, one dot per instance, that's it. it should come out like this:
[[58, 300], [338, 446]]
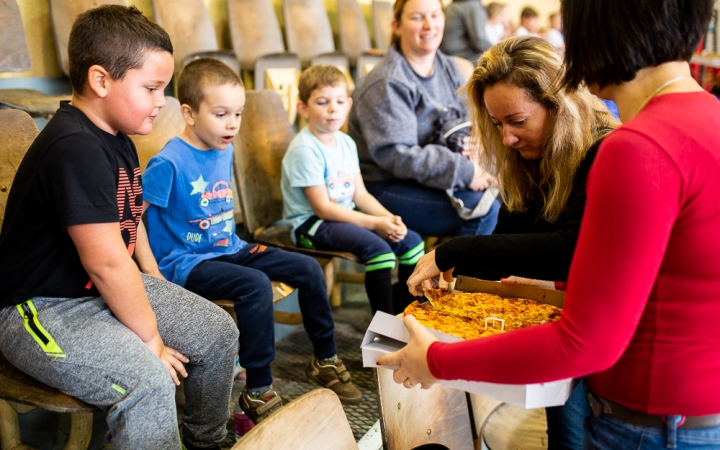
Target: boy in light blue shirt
[[322, 187]]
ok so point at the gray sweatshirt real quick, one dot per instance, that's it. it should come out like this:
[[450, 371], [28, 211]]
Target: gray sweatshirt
[[465, 29], [395, 112]]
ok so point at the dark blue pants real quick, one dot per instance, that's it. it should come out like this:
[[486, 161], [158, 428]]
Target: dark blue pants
[[244, 277], [429, 212], [376, 253], [565, 423]]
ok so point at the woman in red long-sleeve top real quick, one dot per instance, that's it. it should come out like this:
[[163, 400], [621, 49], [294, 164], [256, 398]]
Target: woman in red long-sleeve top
[[641, 313]]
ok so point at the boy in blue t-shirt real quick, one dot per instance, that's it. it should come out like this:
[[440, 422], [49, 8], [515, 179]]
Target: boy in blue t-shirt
[[322, 185], [191, 229]]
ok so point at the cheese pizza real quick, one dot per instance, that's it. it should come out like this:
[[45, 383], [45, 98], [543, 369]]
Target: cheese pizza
[[471, 315]]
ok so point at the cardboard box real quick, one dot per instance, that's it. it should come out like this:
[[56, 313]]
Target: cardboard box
[[387, 334]]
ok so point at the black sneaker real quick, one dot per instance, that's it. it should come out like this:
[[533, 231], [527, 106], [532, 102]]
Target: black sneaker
[[335, 377], [258, 409]]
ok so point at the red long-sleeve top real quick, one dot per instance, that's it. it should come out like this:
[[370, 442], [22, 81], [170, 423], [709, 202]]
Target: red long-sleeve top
[[642, 310]]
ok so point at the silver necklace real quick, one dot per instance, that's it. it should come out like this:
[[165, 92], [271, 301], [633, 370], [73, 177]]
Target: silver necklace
[[663, 86]]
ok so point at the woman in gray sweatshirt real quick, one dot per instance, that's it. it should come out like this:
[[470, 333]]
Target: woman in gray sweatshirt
[[397, 110]]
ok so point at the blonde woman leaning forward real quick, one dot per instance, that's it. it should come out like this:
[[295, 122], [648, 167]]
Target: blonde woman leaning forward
[[541, 142], [643, 297]]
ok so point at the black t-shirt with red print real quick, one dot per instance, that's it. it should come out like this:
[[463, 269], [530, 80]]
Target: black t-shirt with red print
[[74, 173]]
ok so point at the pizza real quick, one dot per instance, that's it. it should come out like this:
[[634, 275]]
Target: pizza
[[470, 315]]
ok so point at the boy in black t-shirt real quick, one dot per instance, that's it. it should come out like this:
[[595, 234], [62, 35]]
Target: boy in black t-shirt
[[75, 311]]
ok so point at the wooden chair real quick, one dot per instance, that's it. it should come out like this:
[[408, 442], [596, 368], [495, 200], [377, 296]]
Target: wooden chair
[[191, 31], [308, 31], [15, 57], [382, 16], [354, 36], [411, 418], [260, 146], [466, 67], [14, 53], [315, 420], [20, 393]]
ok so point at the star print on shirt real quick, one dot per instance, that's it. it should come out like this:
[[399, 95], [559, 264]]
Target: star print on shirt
[[198, 186]]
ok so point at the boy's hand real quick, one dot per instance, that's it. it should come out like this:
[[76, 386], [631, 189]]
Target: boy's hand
[[386, 227], [401, 233], [171, 358]]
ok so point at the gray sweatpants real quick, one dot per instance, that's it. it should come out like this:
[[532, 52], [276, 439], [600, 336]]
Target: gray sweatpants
[[79, 347]]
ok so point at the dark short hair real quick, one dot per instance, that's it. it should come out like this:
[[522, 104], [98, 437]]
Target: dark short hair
[[200, 74], [528, 12], [114, 37], [609, 41], [317, 77]]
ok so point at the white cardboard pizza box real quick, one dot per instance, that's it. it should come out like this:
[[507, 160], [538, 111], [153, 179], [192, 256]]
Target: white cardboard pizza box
[[387, 333]]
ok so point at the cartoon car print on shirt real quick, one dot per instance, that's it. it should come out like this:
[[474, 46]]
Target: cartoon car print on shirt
[[220, 190]]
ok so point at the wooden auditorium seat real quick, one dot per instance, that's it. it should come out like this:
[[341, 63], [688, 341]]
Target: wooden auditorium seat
[[191, 31], [265, 134], [20, 393], [382, 16], [15, 57], [309, 35], [14, 53], [315, 420], [413, 418], [257, 39]]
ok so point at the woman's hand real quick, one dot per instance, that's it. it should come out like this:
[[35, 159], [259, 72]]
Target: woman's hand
[[426, 276], [172, 359], [412, 358]]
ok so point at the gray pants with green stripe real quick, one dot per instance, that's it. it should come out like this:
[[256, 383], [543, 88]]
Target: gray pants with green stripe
[[78, 346]]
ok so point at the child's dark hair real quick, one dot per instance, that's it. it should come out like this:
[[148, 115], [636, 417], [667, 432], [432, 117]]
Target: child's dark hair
[[114, 37], [528, 12], [635, 34], [316, 77], [201, 73]]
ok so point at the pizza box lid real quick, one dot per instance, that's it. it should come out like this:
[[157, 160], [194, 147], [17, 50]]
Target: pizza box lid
[[387, 333]]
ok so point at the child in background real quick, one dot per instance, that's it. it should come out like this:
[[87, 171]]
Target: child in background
[[322, 185], [554, 34], [191, 229], [95, 327]]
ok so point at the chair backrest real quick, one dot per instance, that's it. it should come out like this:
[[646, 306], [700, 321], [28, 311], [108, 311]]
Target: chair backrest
[[354, 36], [189, 25], [412, 418], [382, 16], [14, 53], [307, 29], [254, 30], [62, 16], [168, 124], [315, 420], [17, 132], [466, 67], [265, 134]]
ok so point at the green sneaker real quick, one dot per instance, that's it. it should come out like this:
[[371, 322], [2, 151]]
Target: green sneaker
[[258, 409], [335, 377]]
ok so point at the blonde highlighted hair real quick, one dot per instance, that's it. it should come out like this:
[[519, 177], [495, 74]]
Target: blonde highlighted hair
[[580, 119]]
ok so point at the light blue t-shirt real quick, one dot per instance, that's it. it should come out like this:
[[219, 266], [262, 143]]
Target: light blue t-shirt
[[191, 218], [308, 162]]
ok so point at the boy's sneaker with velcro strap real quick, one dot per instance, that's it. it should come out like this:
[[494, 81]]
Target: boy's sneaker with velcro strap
[[260, 407], [334, 376]]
